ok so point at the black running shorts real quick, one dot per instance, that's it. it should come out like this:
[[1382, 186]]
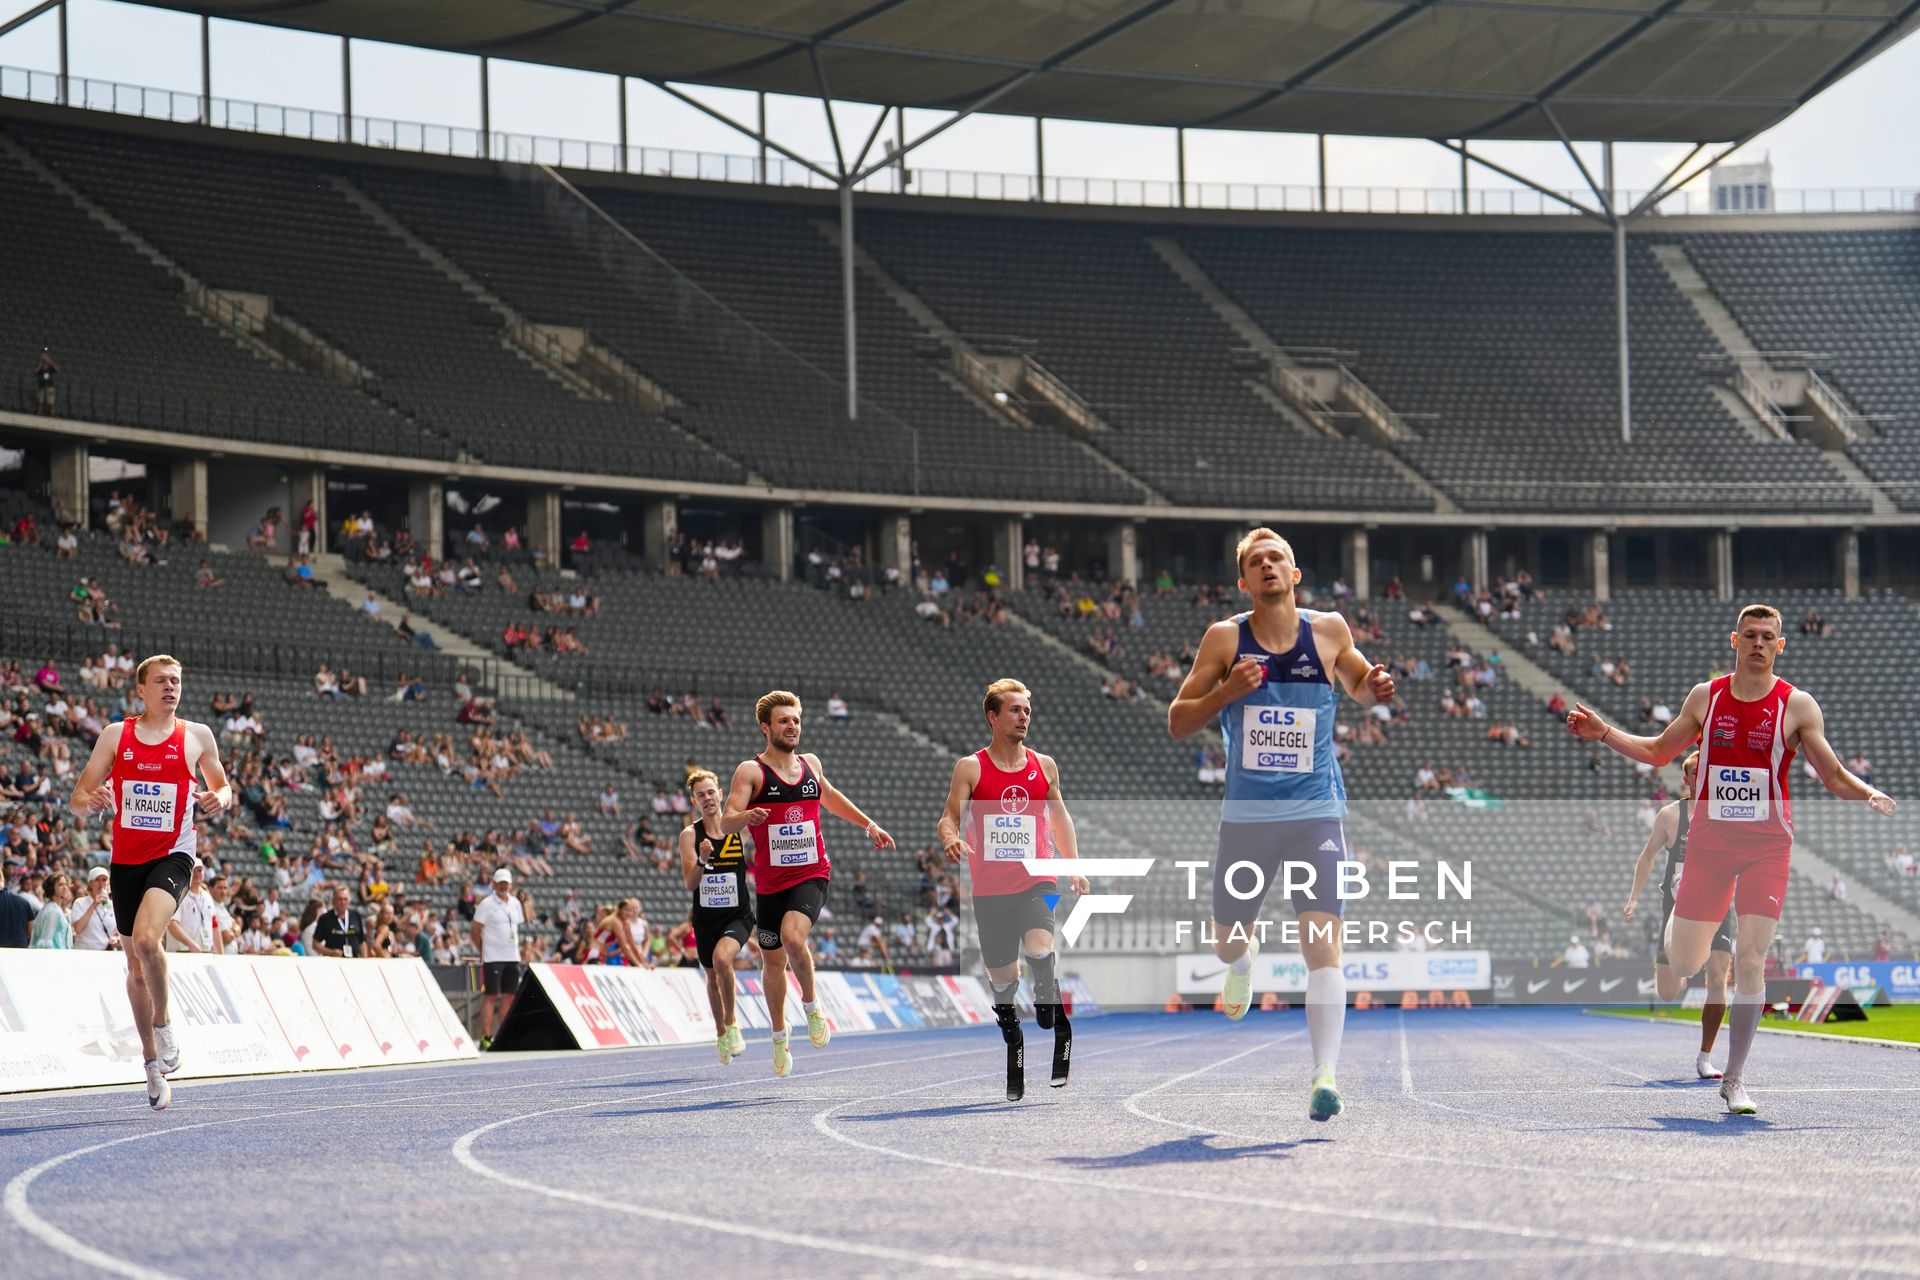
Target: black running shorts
[[1005, 918], [128, 882], [769, 909], [708, 932], [1722, 937], [500, 977]]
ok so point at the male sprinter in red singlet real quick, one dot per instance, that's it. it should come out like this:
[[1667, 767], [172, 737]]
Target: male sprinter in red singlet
[[778, 795], [714, 866], [143, 769], [1670, 833], [1007, 798], [1749, 725]]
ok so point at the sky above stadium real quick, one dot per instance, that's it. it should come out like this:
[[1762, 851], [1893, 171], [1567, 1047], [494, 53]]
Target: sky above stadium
[[1848, 137]]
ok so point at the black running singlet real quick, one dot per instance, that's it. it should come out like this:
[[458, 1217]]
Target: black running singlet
[[1677, 854], [721, 886]]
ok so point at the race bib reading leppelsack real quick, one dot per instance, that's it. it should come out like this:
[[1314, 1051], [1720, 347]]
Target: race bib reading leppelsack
[[1009, 837], [719, 889], [1739, 794], [149, 806], [1277, 739], [792, 844]]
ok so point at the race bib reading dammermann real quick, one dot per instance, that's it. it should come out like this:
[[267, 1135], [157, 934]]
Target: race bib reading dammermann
[[1739, 794], [149, 806], [792, 844], [1009, 837], [1277, 739]]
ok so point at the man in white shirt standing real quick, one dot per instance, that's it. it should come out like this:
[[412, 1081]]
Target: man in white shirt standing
[[192, 927], [92, 915], [226, 930], [496, 935], [1816, 948]]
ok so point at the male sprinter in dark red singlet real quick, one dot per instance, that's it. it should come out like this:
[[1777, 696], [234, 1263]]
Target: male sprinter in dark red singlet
[[1749, 725], [1005, 807], [143, 768], [778, 796]]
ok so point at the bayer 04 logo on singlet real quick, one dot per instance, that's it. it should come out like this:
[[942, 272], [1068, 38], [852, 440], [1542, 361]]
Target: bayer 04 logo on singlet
[[793, 840]]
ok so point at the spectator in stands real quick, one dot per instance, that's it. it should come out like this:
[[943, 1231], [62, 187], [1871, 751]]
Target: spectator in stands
[[16, 912], [1901, 862], [1815, 950], [873, 940], [1812, 624], [53, 926], [1576, 955], [1883, 945], [92, 915], [46, 370], [342, 931], [837, 709], [1837, 888], [299, 573]]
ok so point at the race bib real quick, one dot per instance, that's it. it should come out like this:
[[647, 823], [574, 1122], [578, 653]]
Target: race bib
[[1009, 837], [1277, 739], [718, 889], [792, 844], [149, 806], [1739, 794]]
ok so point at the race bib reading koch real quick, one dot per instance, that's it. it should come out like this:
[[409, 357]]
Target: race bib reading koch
[[1009, 837], [1739, 794], [149, 806], [792, 844], [718, 889], [1277, 739]]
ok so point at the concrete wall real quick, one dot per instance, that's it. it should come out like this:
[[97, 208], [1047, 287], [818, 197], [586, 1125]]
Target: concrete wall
[[238, 493]]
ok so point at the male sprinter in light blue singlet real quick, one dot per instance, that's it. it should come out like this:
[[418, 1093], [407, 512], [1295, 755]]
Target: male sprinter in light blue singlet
[[1271, 676]]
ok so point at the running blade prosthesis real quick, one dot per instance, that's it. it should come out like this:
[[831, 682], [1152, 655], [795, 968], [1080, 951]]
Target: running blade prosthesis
[[1062, 1046], [1009, 1019]]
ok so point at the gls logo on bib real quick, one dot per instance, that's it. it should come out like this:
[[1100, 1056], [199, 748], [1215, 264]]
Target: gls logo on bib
[[1277, 739], [1739, 795]]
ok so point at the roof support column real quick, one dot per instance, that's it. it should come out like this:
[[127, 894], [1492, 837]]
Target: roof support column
[[63, 52], [763, 135], [1620, 300], [346, 88], [623, 125], [486, 112], [1180, 166], [1323, 173], [206, 70], [851, 335], [1039, 157]]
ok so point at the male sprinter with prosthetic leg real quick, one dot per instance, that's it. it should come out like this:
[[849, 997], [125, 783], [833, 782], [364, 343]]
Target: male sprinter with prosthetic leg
[[1749, 725], [778, 795], [143, 769], [1670, 833], [714, 866], [1007, 798], [1272, 677]]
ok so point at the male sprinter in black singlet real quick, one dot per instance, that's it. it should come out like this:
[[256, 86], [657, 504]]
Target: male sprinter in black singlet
[[1670, 833], [714, 866]]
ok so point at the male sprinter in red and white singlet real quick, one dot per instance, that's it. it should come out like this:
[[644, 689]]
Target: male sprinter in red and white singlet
[[143, 770], [1005, 807], [778, 796], [1749, 725]]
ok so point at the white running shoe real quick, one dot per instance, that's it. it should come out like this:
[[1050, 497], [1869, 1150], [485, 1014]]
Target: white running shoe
[[1739, 1103], [736, 1043], [159, 1092], [169, 1049], [1238, 996], [1703, 1066]]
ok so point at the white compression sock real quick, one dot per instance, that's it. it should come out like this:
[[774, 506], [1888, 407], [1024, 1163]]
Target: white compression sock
[[1244, 964], [809, 1005], [1326, 1014]]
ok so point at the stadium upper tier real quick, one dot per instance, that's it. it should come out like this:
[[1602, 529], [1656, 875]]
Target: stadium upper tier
[[1493, 350]]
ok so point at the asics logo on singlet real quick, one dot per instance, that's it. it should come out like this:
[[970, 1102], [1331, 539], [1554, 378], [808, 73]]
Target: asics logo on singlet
[[795, 813], [1013, 799]]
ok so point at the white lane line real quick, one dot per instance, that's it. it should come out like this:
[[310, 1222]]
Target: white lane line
[[1406, 1060], [14, 1201], [822, 1121], [1133, 1102], [463, 1152], [1267, 1263]]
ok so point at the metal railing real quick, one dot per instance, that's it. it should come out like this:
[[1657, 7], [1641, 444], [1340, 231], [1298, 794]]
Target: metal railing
[[1832, 405], [181, 107], [280, 333], [1761, 401]]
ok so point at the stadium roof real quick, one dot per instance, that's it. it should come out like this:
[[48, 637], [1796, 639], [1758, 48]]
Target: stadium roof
[[1620, 70]]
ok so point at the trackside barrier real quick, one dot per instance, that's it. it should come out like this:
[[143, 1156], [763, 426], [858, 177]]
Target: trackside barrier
[[65, 1021]]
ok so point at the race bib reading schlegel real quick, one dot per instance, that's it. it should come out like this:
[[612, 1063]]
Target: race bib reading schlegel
[[1009, 837], [1277, 739], [792, 844], [718, 889], [1739, 794], [149, 806]]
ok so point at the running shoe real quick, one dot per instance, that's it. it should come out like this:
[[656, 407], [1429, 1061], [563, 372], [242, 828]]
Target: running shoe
[[782, 1056], [1239, 993], [817, 1029], [169, 1049], [486, 1043], [736, 1043], [159, 1092], [1704, 1068], [1734, 1090], [1324, 1102], [723, 1049]]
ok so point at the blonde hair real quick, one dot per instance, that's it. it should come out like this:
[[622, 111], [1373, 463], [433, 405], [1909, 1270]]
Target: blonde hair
[[998, 691], [1758, 611], [763, 710], [699, 776], [1691, 762], [1262, 534], [168, 660]]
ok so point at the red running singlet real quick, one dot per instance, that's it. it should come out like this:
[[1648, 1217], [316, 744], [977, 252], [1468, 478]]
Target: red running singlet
[[1008, 824], [788, 847], [1740, 836], [153, 795]]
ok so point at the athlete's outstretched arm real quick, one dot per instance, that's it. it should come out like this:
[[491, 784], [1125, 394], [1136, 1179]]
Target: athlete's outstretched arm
[[1680, 734], [90, 790], [1666, 827], [966, 776], [218, 794], [1214, 680], [746, 777], [1365, 682], [1835, 776], [836, 803], [1066, 840]]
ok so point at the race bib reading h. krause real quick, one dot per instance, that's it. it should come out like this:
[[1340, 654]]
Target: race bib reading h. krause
[[149, 806], [1739, 794], [792, 844], [1277, 739], [1009, 837]]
